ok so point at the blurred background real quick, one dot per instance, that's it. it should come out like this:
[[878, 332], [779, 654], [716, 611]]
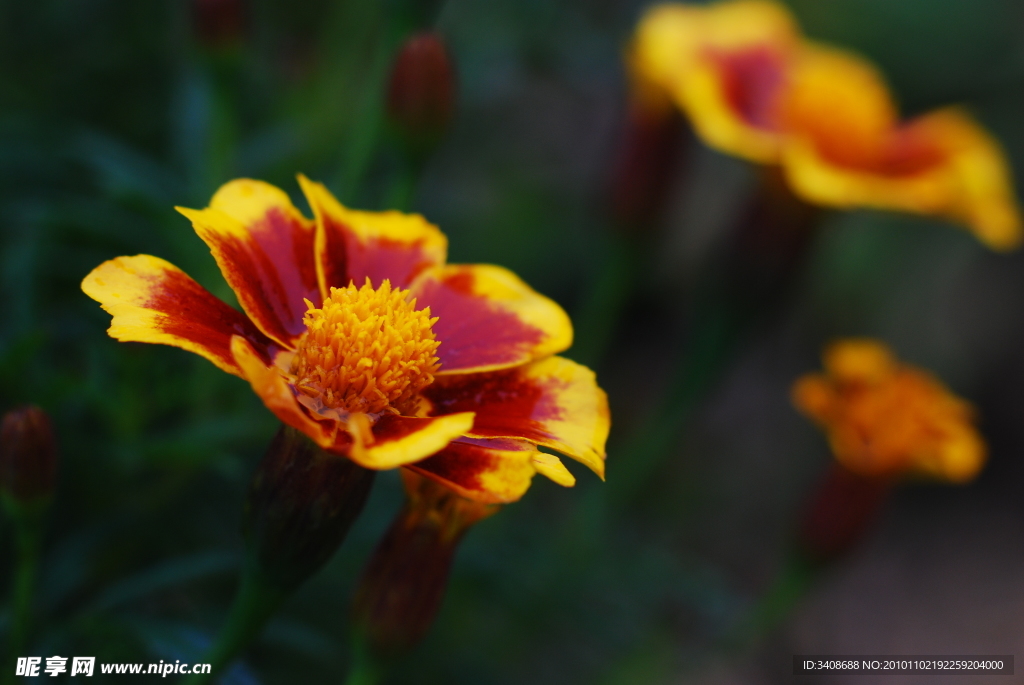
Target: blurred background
[[114, 111]]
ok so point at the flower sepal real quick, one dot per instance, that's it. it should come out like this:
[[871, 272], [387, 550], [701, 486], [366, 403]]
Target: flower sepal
[[404, 583], [839, 514], [302, 502]]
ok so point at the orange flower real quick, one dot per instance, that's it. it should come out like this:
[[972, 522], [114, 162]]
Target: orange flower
[[357, 333], [752, 86], [724, 65], [883, 418]]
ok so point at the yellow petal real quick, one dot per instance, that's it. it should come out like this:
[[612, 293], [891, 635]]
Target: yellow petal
[[353, 245], [551, 466], [485, 471], [401, 440], [488, 318], [553, 402], [153, 301], [264, 248]]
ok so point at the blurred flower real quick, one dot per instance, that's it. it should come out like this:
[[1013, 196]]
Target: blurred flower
[[358, 334], [403, 584], [724, 65], [752, 86], [28, 456], [421, 91], [886, 419]]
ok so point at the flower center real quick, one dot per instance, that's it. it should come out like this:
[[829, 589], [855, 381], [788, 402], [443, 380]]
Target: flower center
[[365, 350]]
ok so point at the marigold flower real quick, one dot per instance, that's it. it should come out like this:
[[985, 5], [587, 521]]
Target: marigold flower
[[357, 333], [754, 87], [886, 419], [725, 65]]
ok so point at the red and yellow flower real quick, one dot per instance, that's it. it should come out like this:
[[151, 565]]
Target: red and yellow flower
[[754, 87], [356, 332], [886, 419]]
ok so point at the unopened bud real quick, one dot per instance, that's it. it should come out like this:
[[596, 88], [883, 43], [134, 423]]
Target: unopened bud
[[219, 23], [840, 512], [404, 583], [643, 164], [770, 242], [421, 92], [28, 456], [302, 502]]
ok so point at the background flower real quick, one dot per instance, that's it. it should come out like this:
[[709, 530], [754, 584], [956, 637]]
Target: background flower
[[753, 86]]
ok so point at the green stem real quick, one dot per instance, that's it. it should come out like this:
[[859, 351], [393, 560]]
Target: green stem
[[403, 188], [27, 539], [364, 137], [253, 606], [716, 332], [364, 670], [777, 602], [596, 323]]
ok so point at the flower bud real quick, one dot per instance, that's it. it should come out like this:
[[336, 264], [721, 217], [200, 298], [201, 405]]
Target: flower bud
[[840, 512], [421, 92], [302, 502], [404, 583], [28, 456], [642, 167], [218, 23], [773, 235]]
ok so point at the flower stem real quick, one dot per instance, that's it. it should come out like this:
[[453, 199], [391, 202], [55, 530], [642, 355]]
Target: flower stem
[[27, 538], [596, 323], [403, 187], [777, 602], [253, 606], [365, 670], [716, 334]]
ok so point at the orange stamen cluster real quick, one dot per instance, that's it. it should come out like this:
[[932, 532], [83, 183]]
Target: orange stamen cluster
[[366, 350]]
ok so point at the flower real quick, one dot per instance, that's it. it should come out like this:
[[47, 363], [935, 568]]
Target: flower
[[886, 419], [724, 65], [753, 87], [356, 332]]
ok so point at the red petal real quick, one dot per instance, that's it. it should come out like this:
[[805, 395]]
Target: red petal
[[352, 246], [489, 319], [489, 471], [154, 301], [752, 80], [398, 440], [264, 248], [554, 402]]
